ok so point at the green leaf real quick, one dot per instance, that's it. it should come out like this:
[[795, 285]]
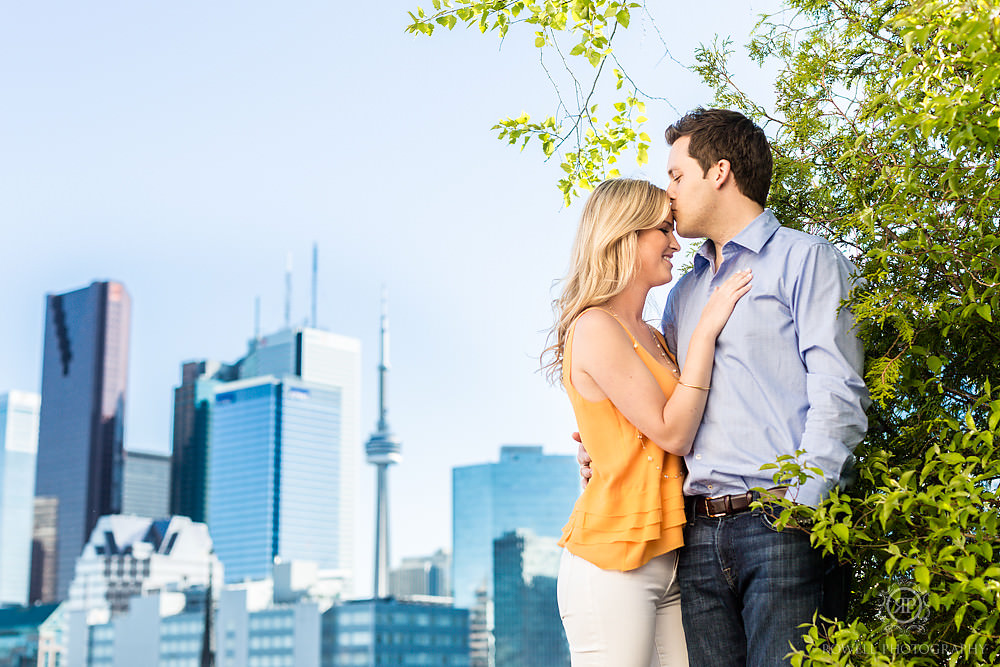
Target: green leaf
[[984, 312], [922, 576]]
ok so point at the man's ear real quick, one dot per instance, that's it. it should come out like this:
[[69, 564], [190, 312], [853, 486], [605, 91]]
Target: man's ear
[[721, 174]]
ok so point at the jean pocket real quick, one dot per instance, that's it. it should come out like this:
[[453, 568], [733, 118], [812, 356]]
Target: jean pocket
[[768, 517]]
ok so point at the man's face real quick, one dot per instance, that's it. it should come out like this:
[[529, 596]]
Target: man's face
[[690, 191]]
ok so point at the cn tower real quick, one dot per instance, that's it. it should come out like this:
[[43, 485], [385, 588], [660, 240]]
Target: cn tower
[[382, 449]]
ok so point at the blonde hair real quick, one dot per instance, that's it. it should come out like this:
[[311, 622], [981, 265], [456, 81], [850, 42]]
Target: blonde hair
[[604, 259]]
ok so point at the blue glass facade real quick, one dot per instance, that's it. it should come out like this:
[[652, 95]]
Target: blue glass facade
[[526, 489], [317, 365], [20, 630], [274, 476], [528, 629], [385, 631]]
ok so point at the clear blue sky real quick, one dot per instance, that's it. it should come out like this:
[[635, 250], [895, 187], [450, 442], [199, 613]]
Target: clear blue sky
[[185, 148]]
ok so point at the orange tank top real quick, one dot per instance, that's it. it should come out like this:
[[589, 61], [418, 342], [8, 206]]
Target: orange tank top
[[632, 509]]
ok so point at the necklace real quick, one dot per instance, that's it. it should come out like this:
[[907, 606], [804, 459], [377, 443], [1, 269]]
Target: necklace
[[638, 434], [656, 339], [663, 353]]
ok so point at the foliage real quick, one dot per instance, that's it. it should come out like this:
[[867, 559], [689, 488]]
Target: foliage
[[885, 132], [596, 144]]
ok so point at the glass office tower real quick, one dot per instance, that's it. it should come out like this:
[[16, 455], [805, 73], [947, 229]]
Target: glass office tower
[[529, 631], [84, 373], [329, 361], [18, 446], [526, 489], [274, 475]]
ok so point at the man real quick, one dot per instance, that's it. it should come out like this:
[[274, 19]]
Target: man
[[787, 377]]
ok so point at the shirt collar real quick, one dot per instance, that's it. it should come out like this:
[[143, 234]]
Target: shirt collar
[[753, 237]]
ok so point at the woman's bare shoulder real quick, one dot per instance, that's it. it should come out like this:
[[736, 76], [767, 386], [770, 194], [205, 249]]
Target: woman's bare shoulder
[[599, 331]]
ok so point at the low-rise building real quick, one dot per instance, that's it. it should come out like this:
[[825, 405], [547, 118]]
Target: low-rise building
[[22, 632], [129, 556], [386, 631]]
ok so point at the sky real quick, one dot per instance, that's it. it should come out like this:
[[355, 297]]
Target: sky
[[188, 148]]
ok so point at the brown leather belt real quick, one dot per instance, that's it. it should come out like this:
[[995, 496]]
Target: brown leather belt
[[733, 504]]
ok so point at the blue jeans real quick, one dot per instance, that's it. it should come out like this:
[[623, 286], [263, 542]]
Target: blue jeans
[[745, 587]]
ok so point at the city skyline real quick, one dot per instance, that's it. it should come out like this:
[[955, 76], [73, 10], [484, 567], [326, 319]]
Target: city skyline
[[184, 151]]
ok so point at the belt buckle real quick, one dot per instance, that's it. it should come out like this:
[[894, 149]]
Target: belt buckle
[[726, 507]]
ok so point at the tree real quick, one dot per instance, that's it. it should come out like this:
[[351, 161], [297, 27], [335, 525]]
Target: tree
[[885, 134], [594, 144]]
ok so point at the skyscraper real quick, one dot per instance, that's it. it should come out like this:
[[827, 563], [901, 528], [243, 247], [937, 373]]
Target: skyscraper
[[529, 631], [383, 449], [302, 353], [18, 446], [274, 475], [526, 489], [84, 373]]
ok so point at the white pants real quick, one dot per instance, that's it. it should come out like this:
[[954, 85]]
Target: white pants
[[622, 619]]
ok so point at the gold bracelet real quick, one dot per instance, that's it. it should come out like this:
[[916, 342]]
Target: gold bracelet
[[693, 386]]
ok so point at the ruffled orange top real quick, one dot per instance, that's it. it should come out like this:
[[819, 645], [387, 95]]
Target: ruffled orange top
[[632, 510]]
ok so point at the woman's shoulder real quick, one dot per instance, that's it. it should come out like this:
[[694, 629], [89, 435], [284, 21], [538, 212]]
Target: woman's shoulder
[[597, 319], [598, 327]]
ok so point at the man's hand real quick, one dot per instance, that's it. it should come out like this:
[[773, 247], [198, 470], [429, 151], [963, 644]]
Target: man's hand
[[583, 458]]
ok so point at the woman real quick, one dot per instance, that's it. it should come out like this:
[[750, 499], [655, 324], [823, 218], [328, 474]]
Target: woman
[[637, 414]]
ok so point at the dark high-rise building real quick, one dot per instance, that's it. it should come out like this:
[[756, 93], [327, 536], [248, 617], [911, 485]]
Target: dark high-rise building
[[43, 551], [192, 412], [80, 453]]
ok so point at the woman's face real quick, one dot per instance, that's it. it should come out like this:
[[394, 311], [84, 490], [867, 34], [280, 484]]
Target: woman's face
[[656, 248]]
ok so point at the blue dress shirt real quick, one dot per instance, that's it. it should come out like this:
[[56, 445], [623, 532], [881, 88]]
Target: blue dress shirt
[[788, 365]]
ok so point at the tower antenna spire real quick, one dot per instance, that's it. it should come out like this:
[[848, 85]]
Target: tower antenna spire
[[256, 318], [315, 275], [382, 449], [288, 289]]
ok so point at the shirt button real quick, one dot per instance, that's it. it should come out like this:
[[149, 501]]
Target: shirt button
[[698, 456]]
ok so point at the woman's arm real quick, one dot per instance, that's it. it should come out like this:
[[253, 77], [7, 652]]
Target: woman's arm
[[602, 351]]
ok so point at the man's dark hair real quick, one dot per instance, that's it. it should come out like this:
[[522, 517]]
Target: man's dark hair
[[721, 134]]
